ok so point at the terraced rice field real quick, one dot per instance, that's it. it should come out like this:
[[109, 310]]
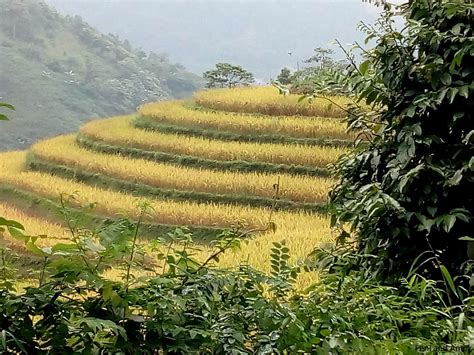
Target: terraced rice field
[[64, 151], [176, 113], [267, 101], [119, 131], [266, 163]]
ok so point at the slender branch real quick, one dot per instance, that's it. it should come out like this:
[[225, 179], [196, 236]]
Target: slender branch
[[73, 234], [134, 243], [43, 270]]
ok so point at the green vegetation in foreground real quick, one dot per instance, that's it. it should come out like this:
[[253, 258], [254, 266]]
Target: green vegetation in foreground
[[140, 189], [186, 160], [89, 74], [152, 125]]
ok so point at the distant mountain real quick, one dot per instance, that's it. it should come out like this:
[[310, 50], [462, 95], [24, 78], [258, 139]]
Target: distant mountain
[[59, 72], [257, 34]]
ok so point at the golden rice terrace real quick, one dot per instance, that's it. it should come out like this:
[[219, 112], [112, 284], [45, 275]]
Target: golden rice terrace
[[244, 158]]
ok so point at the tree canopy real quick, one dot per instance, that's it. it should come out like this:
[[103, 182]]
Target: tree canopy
[[226, 75]]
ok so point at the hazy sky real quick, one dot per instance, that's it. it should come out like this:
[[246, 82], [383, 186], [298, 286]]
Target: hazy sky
[[199, 33]]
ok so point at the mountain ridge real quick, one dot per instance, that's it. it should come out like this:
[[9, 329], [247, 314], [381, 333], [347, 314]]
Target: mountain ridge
[[60, 72]]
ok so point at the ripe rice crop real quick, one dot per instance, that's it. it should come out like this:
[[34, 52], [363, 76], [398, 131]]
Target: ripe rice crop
[[118, 131], [174, 113], [111, 203], [256, 252], [53, 233], [63, 151], [302, 231], [267, 100]]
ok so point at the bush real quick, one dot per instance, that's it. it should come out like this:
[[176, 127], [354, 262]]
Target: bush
[[187, 306], [406, 194]]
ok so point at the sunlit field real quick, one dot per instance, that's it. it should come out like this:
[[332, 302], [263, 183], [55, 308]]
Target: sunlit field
[[117, 130], [266, 100], [177, 113], [111, 181], [64, 151]]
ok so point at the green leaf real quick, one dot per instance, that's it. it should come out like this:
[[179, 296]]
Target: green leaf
[[448, 222], [464, 91], [36, 250], [364, 66], [457, 59], [10, 223], [18, 234], [456, 29], [452, 92], [411, 110], [446, 79], [456, 178], [447, 277], [64, 249], [8, 106]]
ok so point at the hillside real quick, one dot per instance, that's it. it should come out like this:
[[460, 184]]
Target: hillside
[[60, 72]]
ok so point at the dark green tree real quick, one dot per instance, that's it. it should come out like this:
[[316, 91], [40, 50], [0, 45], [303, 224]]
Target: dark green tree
[[228, 76], [407, 193], [284, 77]]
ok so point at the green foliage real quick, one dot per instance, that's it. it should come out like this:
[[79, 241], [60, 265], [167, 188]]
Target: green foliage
[[407, 195], [4, 117], [321, 68], [188, 306], [284, 77], [227, 76]]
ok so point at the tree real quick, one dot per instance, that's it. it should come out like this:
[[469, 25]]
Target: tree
[[228, 75], [321, 58], [284, 77], [12, 14], [407, 192]]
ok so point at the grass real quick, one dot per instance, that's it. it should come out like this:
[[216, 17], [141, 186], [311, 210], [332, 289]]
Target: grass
[[267, 100], [63, 151], [118, 131], [175, 113]]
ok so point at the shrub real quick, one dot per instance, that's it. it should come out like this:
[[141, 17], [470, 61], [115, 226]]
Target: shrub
[[187, 306], [406, 195]]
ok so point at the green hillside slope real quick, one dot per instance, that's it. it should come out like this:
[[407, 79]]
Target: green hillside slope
[[60, 72]]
